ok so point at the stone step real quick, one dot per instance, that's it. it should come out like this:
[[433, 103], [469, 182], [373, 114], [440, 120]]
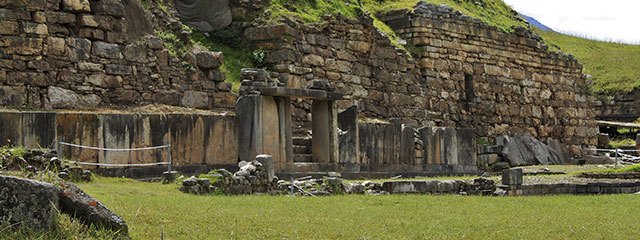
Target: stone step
[[301, 141], [297, 149], [302, 158]]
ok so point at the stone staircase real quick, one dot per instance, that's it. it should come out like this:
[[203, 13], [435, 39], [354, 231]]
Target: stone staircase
[[302, 149]]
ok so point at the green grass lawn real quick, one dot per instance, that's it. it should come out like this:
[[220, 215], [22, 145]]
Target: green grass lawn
[[151, 209]]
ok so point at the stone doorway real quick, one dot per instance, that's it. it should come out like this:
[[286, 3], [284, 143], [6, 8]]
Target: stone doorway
[[265, 125]]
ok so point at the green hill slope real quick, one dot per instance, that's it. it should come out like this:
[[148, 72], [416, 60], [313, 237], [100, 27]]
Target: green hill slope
[[614, 67]]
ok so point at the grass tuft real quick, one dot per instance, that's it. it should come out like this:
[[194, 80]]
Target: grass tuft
[[237, 53], [622, 143]]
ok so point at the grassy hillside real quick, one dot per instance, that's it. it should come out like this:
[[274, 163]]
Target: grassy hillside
[[614, 66]]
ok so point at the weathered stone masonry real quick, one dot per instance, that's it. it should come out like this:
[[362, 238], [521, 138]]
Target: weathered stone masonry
[[463, 73], [624, 107], [85, 54]]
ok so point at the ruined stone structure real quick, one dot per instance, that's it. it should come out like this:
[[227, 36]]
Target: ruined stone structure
[[86, 54], [623, 107], [463, 73], [418, 110], [196, 139]]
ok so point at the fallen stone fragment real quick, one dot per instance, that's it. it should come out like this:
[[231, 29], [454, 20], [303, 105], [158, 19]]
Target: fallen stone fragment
[[90, 211], [27, 203]]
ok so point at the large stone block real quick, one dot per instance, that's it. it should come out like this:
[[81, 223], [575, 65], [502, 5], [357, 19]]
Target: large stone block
[[22, 45], [107, 50], [348, 137], [407, 145], [195, 99], [9, 28], [27, 203], [512, 176], [208, 60], [78, 48], [221, 141], [124, 96], [187, 136], [61, 98], [117, 133], [432, 139], [108, 7], [249, 128], [523, 149], [76, 5], [38, 129], [467, 146], [12, 96], [82, 129]]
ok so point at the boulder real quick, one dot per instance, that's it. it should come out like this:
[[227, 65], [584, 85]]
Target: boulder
[[523, 149], [27, 203], [77, 5], [89, 210], [195, 99], [61, 98]]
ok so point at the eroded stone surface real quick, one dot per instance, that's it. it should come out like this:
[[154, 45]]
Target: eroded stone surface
[[80, 205], [27, 203]]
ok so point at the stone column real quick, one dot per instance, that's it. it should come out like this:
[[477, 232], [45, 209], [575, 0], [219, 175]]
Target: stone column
[[333, 132], [321, 130], [286, 127], [271, 131], [432, 139], [349, 142], [450, 146], [248, 112], [467, 147], [407, 145]]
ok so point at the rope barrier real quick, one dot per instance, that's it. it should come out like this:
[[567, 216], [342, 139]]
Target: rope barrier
[[115, 149], [168, 147], [612, 150]]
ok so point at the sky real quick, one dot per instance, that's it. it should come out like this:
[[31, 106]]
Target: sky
[[613, 20]]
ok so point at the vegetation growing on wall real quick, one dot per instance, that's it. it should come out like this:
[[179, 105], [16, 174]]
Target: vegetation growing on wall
[[237, 53]]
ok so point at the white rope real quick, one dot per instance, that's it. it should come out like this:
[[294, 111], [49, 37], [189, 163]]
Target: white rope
[[122, 165], [115, 149], [612, 150]]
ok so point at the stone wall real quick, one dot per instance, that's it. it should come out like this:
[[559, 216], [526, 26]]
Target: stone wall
[[624, 107], [196, 139], [85, 54], [462, 73]]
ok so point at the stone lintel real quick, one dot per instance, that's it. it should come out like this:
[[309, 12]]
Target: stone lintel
[[312, 94]]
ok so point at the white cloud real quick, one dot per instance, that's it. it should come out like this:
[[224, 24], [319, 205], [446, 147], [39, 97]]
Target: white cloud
[[605, 20]]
